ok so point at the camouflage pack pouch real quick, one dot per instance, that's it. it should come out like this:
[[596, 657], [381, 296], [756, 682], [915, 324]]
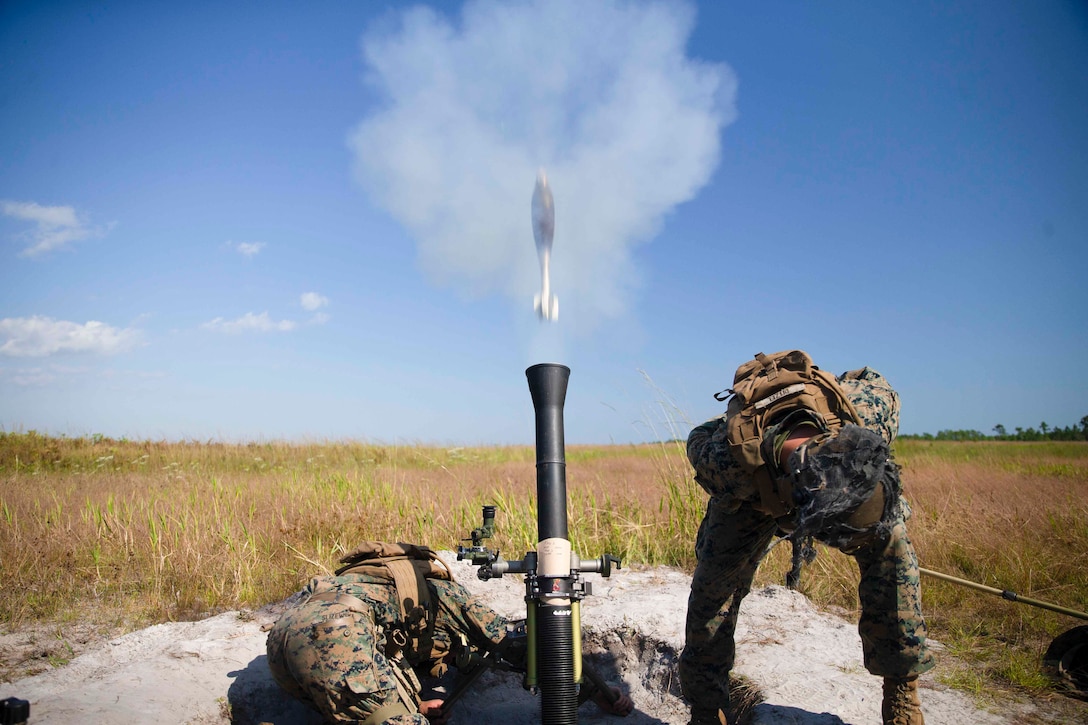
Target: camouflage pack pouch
[[766, 391], [352, 646], [408, 566], [337, 643]]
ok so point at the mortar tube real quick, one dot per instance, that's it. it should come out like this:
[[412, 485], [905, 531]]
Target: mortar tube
[[548, 386], [554, 613]]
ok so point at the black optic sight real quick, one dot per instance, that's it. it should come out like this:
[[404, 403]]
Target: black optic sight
[[479, 554]]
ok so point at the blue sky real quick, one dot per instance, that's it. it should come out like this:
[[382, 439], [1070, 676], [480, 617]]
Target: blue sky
[[260, 221]]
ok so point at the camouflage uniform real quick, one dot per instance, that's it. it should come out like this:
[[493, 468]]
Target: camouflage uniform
[[343, 649], [734, 536]]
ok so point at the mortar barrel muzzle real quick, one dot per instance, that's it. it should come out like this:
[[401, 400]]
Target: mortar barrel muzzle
[[548, 386]]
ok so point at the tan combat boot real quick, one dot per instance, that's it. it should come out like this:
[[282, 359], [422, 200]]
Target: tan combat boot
[[901, 705]]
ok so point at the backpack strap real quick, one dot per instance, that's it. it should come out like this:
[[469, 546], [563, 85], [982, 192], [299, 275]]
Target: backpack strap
[[388, 712], [411, 588], [768, 365], [408, 566], [765, 392]]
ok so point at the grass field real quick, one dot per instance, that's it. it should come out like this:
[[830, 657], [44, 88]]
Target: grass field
[[126, 534]]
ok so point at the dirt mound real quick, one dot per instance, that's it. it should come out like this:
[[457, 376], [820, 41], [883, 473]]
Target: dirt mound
[[805, 664]]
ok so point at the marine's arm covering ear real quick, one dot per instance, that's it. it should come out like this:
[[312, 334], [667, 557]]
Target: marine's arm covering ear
[[846, 487]]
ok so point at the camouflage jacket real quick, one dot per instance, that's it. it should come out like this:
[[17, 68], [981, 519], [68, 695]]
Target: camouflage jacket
[[453, 611], [346, 649], [729, 484]]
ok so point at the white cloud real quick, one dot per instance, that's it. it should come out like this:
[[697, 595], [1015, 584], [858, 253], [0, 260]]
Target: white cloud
[[320, 318], [601, 95], [249, 249], [312, 301], [55, 226], [41, 336], [249, 322]]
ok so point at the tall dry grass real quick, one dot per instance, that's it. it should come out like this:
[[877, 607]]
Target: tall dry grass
[[1011, 516], [131, 533], [156, 531]]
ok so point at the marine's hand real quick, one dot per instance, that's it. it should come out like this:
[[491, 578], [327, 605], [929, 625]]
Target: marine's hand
[[622, 704], [432, 710]]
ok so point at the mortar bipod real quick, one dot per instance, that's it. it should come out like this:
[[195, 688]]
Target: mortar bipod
[[558, 598]]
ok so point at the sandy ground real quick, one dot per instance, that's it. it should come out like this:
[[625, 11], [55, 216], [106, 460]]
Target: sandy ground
[[807, 665]]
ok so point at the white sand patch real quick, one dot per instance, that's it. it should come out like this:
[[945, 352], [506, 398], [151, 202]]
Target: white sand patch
[[807, 664]]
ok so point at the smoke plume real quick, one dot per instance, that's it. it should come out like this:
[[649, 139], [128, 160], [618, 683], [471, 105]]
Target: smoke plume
[[600, 94]]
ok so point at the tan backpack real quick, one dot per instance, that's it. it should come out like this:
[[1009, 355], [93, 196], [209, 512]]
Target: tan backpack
[[767, 389], [408, 566]]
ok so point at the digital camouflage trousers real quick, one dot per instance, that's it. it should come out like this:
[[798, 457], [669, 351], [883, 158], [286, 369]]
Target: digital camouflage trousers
[[333, 650], [729, 548]]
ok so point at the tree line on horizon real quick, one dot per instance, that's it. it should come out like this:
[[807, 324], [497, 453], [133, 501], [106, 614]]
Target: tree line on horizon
[[1000, 433]]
